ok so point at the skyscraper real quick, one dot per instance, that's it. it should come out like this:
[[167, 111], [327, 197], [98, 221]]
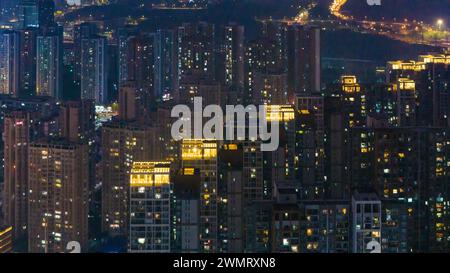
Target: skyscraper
[[272, 53], [150, 207], [46, 11], [231, 200], [37, 13], [240, 186], [337, 124], [49, 65], [165, 63], [129, 102], [94, 80], [405, 89], [325, 226], [285, 223], [408, 166], [280, 163], [366, 223], [29, 14], [76, 120], [196, 51], [143, 59], [266, 60], [314, 105], [9, 63], [202, 154], [27, 73], [58, 201], [82, 31], [270, 88], [231, 57], [210, 91], [430, 88], [354, 98], [304, 60], [137, 63], [18, 128], [185, 210], [123, 48], [123, 142]]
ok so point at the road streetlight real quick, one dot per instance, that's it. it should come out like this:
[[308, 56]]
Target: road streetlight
[[440, 23]]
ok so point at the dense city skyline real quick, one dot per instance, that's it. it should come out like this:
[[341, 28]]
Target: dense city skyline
[[90, 95]]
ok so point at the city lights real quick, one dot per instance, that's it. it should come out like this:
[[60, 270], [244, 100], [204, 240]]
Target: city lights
[[224, 127], [440, 23]]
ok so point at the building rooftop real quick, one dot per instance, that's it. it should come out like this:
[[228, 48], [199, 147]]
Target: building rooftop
[[365, 197]]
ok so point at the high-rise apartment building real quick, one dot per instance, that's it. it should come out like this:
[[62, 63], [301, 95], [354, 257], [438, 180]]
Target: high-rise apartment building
[[354, 99], [279, 165], [9, 62], [285, 228], [272, 53], [407, 165], [49, 65], [58, 195], [81, 32], [313, 105], [326, 226], [18, 127], [430, 87], [150, 219], [202, 154], [142, 63], [196, 51], [29, 14], [76, 120], [304, 60], [94, 70], [27, 72], [366, 223], [37, 13], [46, 11], [185, 211], [231, 57], [405, 90], [165, 82], [122, 144], [270, 88], [240, 185], [123, 48]]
